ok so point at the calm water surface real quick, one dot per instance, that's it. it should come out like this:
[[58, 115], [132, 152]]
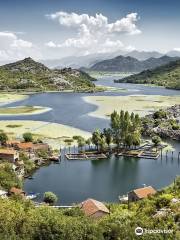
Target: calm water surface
[[74, 181]]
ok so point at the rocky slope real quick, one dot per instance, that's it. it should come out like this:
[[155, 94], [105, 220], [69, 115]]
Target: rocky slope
[[30, 75], [165, 123]]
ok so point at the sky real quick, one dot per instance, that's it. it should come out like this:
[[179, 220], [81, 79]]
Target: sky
[[52, 29]]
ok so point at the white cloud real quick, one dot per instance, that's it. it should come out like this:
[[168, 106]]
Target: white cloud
[[94, 33], [50, 44], [177, 49], [12, 47]]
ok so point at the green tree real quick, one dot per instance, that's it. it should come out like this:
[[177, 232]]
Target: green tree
[[81, 142], [96, 138], [107, 132], [102, 144], [50, 197], [136, 138], [28, 137], [3, 138], [88, 142], [156, 140]]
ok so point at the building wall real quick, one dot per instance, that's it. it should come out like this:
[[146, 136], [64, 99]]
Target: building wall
[[99, 214], [132, 197]]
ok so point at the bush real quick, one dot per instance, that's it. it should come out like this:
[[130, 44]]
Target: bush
[[28, 137], [163, 200], [50, 197], [8, 177], [160, 114], [156, 140], [3, 137]]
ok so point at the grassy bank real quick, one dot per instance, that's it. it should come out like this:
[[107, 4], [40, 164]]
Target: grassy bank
[[23, 110], [141, 104], [52, 133], [6, 98]]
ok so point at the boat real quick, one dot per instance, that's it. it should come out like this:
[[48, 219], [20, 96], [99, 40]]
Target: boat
[[123, 199], [32, 195], [30, 177], [54, 158]]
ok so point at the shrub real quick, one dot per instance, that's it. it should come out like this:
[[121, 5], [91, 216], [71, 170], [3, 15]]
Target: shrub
[[28, 137], [50, 197], [163, 200]]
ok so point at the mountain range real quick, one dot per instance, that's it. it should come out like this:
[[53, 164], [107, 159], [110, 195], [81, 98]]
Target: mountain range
[[130, 64], [91, 59], [30, 75], [167, 75]]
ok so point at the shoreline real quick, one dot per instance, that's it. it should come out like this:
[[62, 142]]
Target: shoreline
[[8, 98]]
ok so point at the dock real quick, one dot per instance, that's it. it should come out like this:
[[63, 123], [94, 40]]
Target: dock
[[85, 156], [141, 154]]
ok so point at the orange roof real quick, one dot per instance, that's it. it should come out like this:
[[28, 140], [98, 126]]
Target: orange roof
[[16, 190], [91, 206], [25, 145], [144, 192], [7, 151]]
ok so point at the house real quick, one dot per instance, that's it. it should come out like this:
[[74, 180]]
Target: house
[[30, 147], [40, 146], [17, 191], [93, 208], [25, 146], [141, 193], [8, 154]]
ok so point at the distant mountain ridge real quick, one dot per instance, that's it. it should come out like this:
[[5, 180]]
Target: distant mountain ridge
[[130, 64], [167, 75], [89, 60], [28, 74]]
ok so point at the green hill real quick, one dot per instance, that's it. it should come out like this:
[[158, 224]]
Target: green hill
[[30, 75], [167, 75]]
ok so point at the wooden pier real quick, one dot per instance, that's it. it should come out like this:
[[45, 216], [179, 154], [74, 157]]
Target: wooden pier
[[85, 156]]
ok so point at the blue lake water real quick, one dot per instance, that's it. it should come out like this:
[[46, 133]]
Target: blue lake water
[[74, 181]]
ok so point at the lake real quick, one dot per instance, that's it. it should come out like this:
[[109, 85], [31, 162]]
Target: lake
[[104, 180]]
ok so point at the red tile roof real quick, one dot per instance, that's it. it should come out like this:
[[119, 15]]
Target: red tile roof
[[144, 192], [25, 145], [91, 206]]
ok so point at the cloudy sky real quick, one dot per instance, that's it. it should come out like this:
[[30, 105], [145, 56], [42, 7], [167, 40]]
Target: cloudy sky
[[47, 29]]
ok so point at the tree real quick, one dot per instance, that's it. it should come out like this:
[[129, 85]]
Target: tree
[[81, 142], [96, 138], [50, 197], [136, 138], [28, 137], [156, 140], [3, 138], [107, 132], [102, 144], [128, 140], [88, 142]]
